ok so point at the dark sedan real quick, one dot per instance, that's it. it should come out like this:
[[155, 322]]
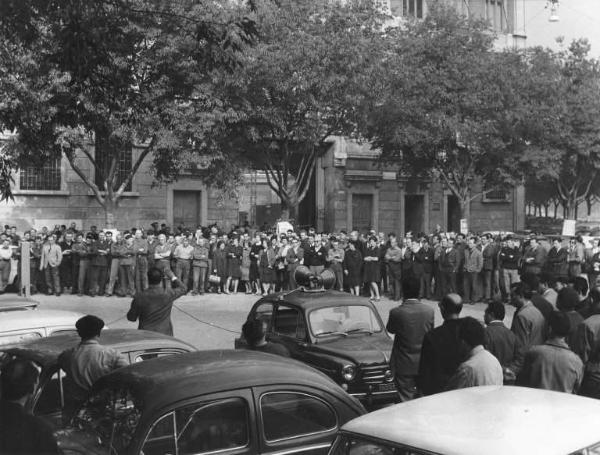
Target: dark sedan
[[226, 402], [339, 334], [48, 399]]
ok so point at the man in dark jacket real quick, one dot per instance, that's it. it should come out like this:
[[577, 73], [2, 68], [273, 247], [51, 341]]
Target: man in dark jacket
[[425, 258], [20, 432], [500, 341], [448, 267], [409, 323], [153, 306], [443, 350]]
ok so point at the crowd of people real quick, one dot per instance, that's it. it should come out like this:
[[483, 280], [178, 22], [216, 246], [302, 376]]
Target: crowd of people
[[110, 262], [551, 344]]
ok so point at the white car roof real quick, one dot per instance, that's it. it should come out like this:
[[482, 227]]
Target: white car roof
[[488, 420], [20, 320]]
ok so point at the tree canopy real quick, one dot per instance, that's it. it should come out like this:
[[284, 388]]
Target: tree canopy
[[451, 108], [302, 83], [568, 150], [116, 73]]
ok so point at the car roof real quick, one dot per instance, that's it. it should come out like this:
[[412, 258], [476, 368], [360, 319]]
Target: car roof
[[19, 320], [45, 351], [515, 420], [308, 300], [205, 372]]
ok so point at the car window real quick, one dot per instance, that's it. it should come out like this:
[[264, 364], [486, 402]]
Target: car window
[[111, 416], [63, 332], [155, 354], [19, 337], [343, 319], [264, 312], [51, 395], [201, 428], [592, 450], [289, 322], [290, 414], [349, 445]]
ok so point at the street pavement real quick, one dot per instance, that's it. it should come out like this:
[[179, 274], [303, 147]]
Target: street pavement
[[211, 321]]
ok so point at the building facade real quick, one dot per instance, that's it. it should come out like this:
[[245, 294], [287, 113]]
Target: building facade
[[355, 192]]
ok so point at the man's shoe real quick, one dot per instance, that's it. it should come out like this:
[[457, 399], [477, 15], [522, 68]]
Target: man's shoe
[[57, 294], [107, 295]]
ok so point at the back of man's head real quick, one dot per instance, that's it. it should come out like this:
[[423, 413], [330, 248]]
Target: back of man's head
[[560, 324], [567, 299], [18, 378], [410, 288], [155, 276], [580, 285], [496, 310], [522, 290], [253, 331], [471, 332], [89, 326], [450, 306]]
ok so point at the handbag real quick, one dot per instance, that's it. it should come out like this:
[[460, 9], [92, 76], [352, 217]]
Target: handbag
[[214, 279]]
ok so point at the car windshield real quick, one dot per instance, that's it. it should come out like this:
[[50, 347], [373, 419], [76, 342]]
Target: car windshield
[[343, 320], [111, 416]]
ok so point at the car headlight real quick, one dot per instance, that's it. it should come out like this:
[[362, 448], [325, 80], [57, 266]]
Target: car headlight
[[348, 372]]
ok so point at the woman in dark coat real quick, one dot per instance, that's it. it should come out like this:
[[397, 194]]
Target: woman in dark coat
[[219, 264], [266, 262], [254, 275], [372, 270], [234, 262], [353, 263]]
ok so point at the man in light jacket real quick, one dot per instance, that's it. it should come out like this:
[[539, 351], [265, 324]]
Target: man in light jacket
[[50, 262]]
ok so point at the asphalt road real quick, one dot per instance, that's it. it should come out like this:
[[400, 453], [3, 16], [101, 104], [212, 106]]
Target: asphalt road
[[208, 322]]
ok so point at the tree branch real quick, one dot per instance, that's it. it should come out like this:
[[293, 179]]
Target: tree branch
[[86, 180], [134, 169]]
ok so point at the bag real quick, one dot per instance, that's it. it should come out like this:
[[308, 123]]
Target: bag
[[214, 279]]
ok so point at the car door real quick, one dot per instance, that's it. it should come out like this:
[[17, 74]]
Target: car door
[[223, 423], [289, 329], [297, 419]]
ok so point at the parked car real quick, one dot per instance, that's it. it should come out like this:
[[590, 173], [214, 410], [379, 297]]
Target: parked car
[[488, 420], [230, 402], [13, 302], [337, 333], [19, 326], [48, 398]]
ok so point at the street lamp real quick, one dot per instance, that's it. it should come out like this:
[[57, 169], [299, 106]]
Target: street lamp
[[553, 5]]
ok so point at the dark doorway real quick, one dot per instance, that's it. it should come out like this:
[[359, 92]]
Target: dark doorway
[[414, 213], [307, 211], [362, 212], [186, 208], [453, 214]]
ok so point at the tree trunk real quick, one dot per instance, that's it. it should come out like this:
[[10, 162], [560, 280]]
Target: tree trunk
[[289, 210], [110, 208], [570, 209], [465, 211]]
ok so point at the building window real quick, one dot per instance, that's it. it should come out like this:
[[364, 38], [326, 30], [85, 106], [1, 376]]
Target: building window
[[412, 8], [496, 15], [495, 195], [124, 165], [44, 178]]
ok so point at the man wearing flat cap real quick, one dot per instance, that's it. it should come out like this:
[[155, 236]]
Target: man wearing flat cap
[[87, 362]]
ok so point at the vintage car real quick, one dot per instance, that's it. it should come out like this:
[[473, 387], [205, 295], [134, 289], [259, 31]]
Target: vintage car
[[230, 402], [489, 420], [337, 333], [13, 302], [19, 326], [48, 399]]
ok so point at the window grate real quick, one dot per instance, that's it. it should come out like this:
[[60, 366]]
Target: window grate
[[124, 165], [45, 178]]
